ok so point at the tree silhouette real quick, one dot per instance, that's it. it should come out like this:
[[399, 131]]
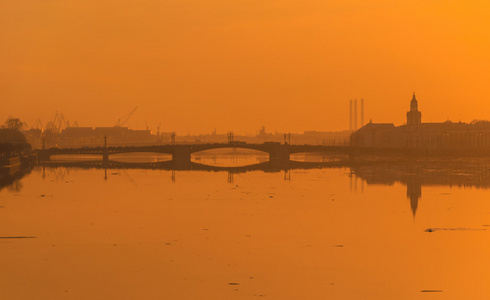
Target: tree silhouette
[[13, 123]]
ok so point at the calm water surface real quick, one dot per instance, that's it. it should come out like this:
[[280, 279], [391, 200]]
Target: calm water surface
[[342, 233]]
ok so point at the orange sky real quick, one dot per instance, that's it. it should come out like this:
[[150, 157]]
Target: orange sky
[[236, 65]]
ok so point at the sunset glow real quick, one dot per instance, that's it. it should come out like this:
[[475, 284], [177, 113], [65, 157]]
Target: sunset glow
[[237, 65]]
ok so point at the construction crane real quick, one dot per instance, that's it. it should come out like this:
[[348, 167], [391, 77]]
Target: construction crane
[[124, 119], [37, 124], [57, 122]]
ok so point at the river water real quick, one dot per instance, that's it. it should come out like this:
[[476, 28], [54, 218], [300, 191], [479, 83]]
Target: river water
[[375, 230]]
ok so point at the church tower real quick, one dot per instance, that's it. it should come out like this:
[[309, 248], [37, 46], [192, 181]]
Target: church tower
[[414, 116]]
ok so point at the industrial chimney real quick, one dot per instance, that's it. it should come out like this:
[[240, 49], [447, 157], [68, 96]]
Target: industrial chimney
[[350, 115], [362, 112], [355, 114]]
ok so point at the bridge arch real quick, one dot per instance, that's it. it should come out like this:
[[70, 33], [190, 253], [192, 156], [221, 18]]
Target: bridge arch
[[229, 157], [236, 145]]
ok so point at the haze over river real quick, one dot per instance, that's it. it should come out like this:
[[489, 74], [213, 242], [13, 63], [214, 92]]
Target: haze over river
[[399, 229]]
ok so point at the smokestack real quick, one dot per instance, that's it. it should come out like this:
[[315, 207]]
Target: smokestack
[[350, 115], [355, 114], [362, 112]]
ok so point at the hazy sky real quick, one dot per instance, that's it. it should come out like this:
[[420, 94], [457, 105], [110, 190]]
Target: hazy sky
[[196, 65]]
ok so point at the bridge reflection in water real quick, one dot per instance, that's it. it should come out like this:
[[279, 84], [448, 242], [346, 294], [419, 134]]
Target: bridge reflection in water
[[268, 166], [412, 172]]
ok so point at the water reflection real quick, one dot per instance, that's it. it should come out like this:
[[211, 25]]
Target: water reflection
[[224, 163], [141, 157], [411, 172], [317, 157], [415, 173], [231, 157], [414, 193], [10, 178], [288, 231]]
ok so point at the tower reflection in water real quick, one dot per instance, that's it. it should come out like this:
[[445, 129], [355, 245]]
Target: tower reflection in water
[[416, 173]]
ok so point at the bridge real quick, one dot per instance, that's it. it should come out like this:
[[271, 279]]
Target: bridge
[[181, 154]]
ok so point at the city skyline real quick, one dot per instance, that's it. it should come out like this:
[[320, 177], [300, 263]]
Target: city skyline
[[355, 120]]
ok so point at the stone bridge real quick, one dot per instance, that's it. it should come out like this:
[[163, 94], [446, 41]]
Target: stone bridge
[[181, 154]]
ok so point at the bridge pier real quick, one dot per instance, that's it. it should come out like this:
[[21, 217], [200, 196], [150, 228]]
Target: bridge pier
[[280, 154], [181, 157], [105, 153]]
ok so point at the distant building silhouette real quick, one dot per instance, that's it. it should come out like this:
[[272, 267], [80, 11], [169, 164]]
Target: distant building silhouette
[[425, 137], [414, 116]]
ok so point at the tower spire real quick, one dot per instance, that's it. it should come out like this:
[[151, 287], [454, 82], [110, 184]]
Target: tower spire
[[414, 116]]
